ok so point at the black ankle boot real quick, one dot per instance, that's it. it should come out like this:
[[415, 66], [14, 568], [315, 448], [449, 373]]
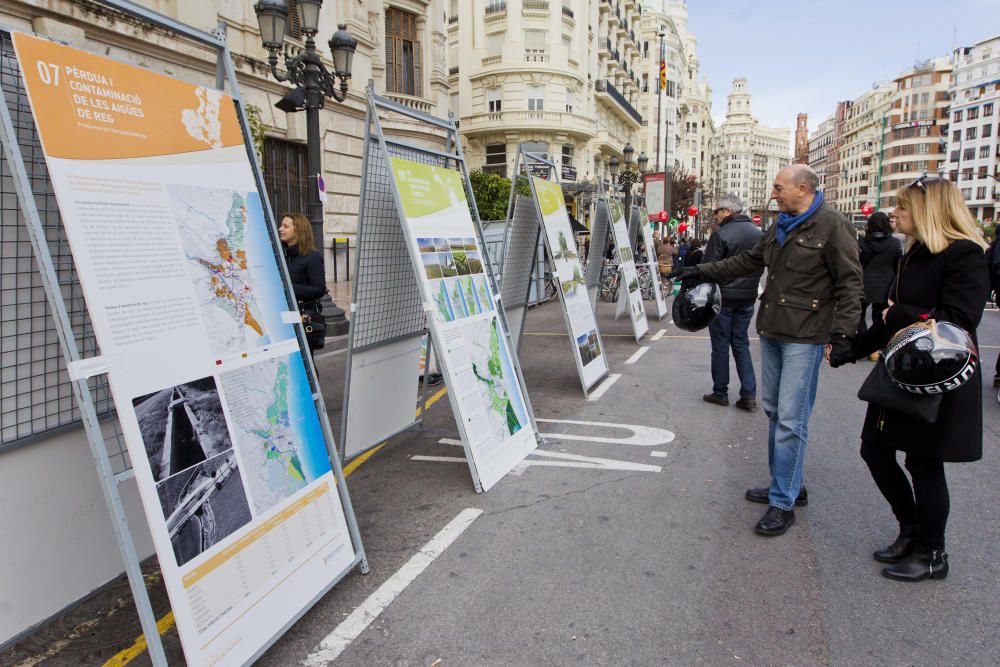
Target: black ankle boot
[[901, 548], [919, 566]]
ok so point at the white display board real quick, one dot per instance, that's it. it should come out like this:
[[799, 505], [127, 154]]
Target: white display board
[[654, 268], [588, 350], [178, 267], [629, 294], [470, 336]]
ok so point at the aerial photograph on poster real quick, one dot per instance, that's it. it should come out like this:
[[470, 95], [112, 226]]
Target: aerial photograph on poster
[[203, 504], [495, 378], [181, 426], [277, 432], [232, 264]]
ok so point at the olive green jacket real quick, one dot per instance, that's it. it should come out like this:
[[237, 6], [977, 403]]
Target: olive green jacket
[[813, 287]]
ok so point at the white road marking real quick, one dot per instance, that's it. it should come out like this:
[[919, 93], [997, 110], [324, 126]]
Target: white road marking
[[658, 454], [450, 441], [642, 436], [352, 626], [600, 391], [638, 355], [658, 335]]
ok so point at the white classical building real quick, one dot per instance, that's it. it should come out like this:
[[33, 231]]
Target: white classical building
[[746, 155], [821, 148], [974, 146]]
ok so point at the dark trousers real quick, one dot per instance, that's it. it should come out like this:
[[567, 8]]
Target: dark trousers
[[727, 330], [926, 503]]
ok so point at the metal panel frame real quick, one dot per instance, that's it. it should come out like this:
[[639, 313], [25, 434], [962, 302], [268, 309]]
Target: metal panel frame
[[451, 157], [109, 481], [522, 158]]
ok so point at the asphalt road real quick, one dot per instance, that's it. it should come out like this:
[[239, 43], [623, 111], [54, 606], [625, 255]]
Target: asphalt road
[[571, 565]]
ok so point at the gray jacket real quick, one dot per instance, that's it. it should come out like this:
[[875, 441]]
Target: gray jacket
[[734, 235]]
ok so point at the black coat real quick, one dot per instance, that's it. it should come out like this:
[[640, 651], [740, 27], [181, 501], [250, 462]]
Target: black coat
[[307, 273], [879, 254], [734, 235], [950, 286]]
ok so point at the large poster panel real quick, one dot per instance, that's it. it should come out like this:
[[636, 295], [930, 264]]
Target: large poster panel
[[183, 287], [587, 348], [654, 269], [629, 294], [489, 403]]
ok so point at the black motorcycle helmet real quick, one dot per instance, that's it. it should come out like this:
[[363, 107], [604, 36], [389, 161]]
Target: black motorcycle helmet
[[696, 305], [931, 357]]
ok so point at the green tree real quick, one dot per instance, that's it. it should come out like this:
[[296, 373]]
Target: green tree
[[491, 192]]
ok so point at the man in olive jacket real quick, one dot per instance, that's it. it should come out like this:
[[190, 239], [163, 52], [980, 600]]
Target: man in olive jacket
[[812, 296]]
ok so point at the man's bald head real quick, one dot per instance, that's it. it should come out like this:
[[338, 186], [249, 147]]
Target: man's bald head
[[794, 188]]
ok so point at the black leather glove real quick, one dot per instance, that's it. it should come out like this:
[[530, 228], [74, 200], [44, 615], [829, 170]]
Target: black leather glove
[[685, 273], [842, 350]]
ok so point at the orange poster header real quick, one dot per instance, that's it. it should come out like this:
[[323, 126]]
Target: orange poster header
[[88, 107]]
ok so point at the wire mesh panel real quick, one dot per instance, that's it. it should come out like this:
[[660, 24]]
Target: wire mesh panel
[[388, 304], [36, 395], [598, 243], [633, 227], [494, 232], [519, 257]]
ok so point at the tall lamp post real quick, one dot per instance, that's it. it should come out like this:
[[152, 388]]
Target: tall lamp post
[[627, 178], [314, 83]]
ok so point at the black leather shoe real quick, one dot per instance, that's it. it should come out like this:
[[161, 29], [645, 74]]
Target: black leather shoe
[[901, 548], [747, 403], [775, 522], [760, 495], [718, 399], [919, 566]]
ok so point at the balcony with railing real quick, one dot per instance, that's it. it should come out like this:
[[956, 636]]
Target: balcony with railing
[[417, 103], [535, 6], [491, 121], [536, 56], [496, 11], [606, 90]]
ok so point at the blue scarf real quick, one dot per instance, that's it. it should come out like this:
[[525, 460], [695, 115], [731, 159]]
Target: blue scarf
[[787, 223]]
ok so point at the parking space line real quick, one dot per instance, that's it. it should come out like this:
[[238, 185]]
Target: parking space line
[[658, 335], [352, 626], [638, 354], [600, 391]]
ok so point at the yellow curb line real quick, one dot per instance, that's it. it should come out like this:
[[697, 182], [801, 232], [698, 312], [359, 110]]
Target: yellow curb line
[[129, 654]]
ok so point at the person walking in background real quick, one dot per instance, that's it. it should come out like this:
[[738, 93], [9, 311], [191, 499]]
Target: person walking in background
[[665, 257], [733, 233], [942, 276], [305, 268], [812, 296], [694, 254], [879, 252]]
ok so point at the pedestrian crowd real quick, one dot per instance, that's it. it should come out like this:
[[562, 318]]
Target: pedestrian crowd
[[911, 305]]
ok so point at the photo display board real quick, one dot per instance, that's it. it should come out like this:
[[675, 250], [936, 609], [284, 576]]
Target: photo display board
[[629, 294], [654, 268], [587, 347], [470, 336], [180, 273]]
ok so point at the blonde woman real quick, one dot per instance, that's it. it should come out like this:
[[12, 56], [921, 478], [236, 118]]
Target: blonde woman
[[942, 275], [305, 267]]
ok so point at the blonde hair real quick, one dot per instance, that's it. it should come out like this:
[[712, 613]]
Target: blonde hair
[[940, 215], [303, 232]]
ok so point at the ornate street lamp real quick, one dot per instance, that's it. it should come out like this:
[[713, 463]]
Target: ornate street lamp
[[314, 83], [628, 177]]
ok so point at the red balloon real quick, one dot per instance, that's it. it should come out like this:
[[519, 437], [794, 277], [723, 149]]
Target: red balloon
[[693, 211], [663, 216], [866, 209], [681, 228]]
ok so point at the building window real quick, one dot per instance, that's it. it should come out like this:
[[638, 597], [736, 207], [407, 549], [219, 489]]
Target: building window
[[494, 103], [967, 193], [987, 131], [496, 159], [972, 113], [988, 109], [294, 28], [536, 98], [569, 101], [956, 135], [534, 41], [969, 154], [971, 132], [954, 155], [924, 148], [495, 42], [957, 116], [567, 155], [285, 176], [403, 55], [981, 193], [984, 151]]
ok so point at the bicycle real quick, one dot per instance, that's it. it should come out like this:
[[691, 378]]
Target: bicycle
[[609, 282], [645, 282]]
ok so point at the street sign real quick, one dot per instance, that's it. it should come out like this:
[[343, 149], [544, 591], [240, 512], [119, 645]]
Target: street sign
[[756, 220]]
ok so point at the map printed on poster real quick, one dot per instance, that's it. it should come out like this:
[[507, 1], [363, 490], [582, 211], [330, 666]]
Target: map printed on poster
[[576, 301], [654, 269], [629, 294], [449, 263], [182, 284]]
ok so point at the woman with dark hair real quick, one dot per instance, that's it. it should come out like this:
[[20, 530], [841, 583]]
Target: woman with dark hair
[[694, 254], [942, 276], [305, 267], [880, 252]]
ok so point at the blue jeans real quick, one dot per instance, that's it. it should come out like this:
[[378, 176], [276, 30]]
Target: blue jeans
[[727, 330], [790, 373]]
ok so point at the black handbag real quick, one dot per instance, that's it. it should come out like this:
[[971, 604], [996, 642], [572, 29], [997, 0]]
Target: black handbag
[[879, 389], [314, 323]]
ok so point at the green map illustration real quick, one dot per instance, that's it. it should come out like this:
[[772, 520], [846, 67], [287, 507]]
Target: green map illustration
[[490, 373]]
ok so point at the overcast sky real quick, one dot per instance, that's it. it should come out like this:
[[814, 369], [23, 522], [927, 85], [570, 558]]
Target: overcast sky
[[805, 56]]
